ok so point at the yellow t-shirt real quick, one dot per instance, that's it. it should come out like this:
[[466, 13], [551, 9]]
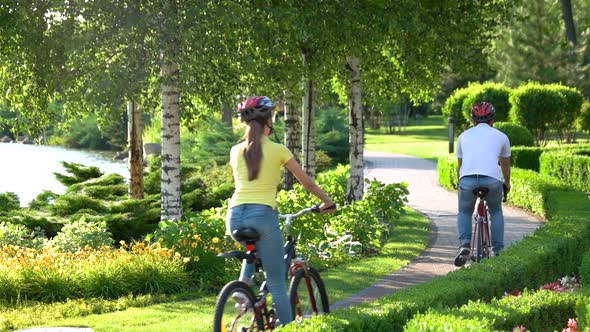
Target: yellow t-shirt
[[263, 189]]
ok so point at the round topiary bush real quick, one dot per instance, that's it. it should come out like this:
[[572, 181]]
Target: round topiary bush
[[517, 134]]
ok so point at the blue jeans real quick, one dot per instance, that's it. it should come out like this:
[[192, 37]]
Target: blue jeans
[[270, 250], [467, 204]]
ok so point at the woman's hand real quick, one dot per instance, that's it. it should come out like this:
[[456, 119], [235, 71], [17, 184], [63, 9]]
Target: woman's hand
[[329, 207]]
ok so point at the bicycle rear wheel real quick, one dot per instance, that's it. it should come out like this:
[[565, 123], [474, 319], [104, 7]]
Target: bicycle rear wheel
[[307, 294], [234, 309]]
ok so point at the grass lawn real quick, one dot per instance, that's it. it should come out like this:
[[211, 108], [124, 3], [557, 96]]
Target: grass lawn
[[410, 238], [426, 138]]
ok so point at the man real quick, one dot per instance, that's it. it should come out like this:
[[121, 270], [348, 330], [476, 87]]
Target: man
[[479, 151]]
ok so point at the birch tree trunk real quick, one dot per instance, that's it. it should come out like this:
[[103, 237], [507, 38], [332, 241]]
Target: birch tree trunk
[[308, 128], [291, 135], [355, 185], [135, 160], [171, 204]]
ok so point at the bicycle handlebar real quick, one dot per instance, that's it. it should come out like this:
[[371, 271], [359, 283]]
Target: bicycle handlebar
[[290, 216]]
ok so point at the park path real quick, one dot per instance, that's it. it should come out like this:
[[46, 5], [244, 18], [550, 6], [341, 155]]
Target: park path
[[440, 206]]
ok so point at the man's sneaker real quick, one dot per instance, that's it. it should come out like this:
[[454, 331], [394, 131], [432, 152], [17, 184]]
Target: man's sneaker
[[241, 299], [462, 254]]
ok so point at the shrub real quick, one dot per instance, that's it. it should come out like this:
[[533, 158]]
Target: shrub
[[572, 167], [542, 107], [526, 157], [332, 136], [80, 173], [107, 187], [453, 107], [517, 134], [49, 276], [583, 122], [20, 236], [8, 202], [69, 204], [496, 93], [81, 233], [585, 270], [199, 237]]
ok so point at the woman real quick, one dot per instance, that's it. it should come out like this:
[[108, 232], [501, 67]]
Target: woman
[[257, 163]]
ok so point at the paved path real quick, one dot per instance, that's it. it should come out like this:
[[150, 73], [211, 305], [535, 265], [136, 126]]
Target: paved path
[[440, 206]]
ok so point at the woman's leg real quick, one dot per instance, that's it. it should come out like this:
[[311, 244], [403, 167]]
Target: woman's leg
[[270, 250]]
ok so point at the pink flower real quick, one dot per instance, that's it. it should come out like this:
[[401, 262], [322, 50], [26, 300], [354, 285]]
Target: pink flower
[[572, 326], [520, 328]]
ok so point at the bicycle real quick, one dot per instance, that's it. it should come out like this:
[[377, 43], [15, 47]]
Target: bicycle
[[481, 244], [240, 308]]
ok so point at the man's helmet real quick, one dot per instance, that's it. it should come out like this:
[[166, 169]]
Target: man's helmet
[[255, 108], [482, 112]]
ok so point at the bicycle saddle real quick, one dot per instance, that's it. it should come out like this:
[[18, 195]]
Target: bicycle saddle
[[246, 234], [481, 191]]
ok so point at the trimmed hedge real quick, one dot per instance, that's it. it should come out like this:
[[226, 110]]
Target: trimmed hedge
[[551, 252], [572, 167], [453, 107], [536, 311], [496, 93], [540, 107], [517, 134]]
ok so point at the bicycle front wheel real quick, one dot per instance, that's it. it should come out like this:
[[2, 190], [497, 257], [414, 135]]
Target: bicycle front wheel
[[307, 294], [235, 311]]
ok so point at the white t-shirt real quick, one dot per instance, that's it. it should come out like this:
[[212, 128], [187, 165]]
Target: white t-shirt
[[479, 148]]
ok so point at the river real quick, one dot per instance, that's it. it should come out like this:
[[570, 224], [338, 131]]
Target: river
[[27, 170]]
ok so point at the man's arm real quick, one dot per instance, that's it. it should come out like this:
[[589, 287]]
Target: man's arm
[[505, 167], [459, 162]]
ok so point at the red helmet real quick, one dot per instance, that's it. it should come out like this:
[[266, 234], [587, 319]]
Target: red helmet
[[254, 108], [482, 112]]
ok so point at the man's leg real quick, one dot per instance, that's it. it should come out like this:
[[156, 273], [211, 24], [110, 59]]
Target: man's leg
[[465, 212], [494, 200]]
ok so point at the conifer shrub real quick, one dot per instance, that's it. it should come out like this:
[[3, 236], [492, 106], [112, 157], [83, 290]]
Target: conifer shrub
[[8, 202]]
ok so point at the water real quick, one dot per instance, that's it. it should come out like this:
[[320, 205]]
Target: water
[[27, 170]]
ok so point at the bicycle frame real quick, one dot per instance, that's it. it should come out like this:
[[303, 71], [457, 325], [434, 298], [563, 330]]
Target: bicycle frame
[[292, 263]]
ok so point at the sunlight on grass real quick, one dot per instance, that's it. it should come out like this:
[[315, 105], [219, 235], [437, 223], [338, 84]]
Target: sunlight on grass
[[425, 139], [409, 239]]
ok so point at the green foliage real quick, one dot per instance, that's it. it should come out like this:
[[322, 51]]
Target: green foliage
[[517, 134], [545, 107], [20, 235], [332, 134], [496, 93], [43, 200], [572, 167], [446, 168], [583, 122], [534, 47], [69, 204], [551, 252], [8, 202], [107, 187], [79, 173], [526, 157], [585, 270], [453, 107], [81, 233], [212, 143], [53, 276], [199, 237], [536, 311], [84, 133]]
